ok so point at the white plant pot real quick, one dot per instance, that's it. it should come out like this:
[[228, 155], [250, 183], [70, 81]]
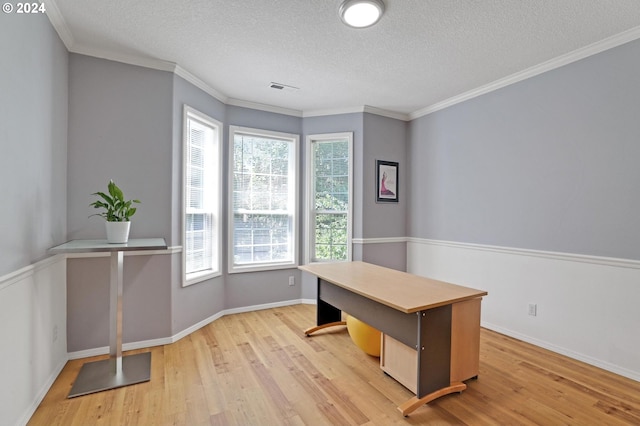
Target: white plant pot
[[117, 232]]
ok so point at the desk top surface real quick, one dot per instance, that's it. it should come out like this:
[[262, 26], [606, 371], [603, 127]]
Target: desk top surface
[[399, 290], [85, 246]]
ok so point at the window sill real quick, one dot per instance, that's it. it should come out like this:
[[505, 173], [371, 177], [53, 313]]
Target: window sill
[[198, 277], [234, 269]]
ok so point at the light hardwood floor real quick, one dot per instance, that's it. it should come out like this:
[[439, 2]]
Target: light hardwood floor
[[258, 368]]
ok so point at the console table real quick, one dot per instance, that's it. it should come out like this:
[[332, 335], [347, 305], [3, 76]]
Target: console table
[[437, 321], [117, 371]]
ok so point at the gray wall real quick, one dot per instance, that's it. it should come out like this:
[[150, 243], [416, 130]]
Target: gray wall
[[33, 140], [550, 163], [146, 301], [33, 210], [385, 139], [125, 123], [257, 288], [120, 127], [337, 124], [374, 137], [388, 254], [195, 303]]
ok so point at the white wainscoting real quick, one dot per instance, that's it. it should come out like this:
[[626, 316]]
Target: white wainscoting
[[33, 330], [588, 307]]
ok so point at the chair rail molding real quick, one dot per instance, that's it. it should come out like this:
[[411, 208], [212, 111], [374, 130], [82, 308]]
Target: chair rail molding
[[596, 260]]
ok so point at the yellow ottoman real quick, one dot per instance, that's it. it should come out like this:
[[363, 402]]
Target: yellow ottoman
[[364, 336]]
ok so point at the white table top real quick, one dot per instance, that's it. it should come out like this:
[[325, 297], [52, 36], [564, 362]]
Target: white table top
[[84, 246]]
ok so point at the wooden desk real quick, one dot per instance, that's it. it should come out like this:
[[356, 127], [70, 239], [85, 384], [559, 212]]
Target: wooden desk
[[415, 311]]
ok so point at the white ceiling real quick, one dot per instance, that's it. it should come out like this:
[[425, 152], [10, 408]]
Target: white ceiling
[[422, 55]]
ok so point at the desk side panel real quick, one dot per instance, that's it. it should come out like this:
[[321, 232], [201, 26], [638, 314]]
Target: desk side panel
[[465, 340], [434, 350], [326, 313]]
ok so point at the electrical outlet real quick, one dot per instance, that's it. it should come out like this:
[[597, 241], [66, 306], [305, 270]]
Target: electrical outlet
[[292, 280], [533, 309], [55, 333]]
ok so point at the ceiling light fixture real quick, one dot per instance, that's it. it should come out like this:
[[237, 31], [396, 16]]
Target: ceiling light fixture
[[361, 13]]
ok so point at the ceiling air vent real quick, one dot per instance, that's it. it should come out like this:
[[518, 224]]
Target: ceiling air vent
[[280, 86]]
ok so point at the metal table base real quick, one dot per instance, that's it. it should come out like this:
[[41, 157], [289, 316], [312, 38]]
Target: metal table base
[[99, 375], [118, 370]]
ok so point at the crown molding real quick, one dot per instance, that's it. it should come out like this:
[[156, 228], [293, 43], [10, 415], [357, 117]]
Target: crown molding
[[264, 107], [333, 111], [59, 24], [61, 27], [357, 109], [181, 72], [386, 113], [156, 64], [557, 62]]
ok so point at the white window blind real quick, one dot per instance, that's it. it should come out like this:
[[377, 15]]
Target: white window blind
[[202, 162], [263, 199]]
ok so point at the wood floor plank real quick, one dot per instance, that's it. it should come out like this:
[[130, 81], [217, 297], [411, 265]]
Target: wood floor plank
[[258, 368]]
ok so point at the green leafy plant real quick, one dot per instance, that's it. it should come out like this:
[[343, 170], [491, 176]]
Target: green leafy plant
[[117, 209]]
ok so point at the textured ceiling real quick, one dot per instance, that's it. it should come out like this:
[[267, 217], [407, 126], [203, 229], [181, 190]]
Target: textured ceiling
[[422, 53]]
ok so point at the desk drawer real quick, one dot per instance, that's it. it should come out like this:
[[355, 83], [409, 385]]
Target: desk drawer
[[400, 361]]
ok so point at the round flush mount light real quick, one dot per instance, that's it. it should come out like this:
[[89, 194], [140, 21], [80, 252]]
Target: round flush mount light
[[361, 13]]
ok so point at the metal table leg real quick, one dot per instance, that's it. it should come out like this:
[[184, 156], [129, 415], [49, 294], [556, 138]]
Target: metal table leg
[[117, 371]]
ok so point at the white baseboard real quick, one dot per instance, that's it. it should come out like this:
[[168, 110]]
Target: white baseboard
[[260, 307], [563, 351], [41, 394], [104, 350], [172, 339]]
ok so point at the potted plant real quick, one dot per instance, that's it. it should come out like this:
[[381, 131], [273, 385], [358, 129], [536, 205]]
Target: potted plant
[[117, 213]]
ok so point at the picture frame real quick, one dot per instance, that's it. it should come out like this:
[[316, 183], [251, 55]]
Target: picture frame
[[386, 181]]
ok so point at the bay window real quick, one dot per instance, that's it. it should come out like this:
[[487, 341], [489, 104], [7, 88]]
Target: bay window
[[329, 197], [202, 176], [263, 199]]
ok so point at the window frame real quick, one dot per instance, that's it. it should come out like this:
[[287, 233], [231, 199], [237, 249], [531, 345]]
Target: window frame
[[309, 251], [294, 139], [190, 113]]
